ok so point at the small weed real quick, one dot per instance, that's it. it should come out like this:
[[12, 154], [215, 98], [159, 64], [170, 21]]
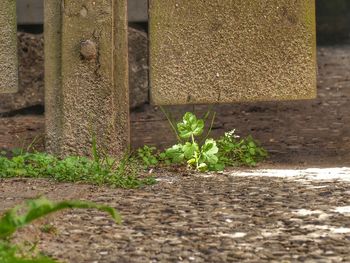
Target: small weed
[[147, 155], [206, 154], [234, 151], [35, 209]]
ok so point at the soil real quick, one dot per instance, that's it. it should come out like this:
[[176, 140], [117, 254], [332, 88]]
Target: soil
[[217, 218]]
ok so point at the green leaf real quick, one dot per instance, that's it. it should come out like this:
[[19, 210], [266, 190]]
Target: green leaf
[[252, 151], [38, 208], [189, 149], [217, 167], [203, 167], [209, 152], [190, 126], [191, 162], [175, 153]]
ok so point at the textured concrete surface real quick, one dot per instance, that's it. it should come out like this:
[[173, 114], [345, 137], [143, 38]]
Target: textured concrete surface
[[8, 47], [232, 51], [196, 218], [31, 11], [31, 72], [86, 98]]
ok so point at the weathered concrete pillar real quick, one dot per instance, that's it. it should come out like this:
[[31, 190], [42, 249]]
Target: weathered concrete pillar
[[86, 76], [8, 47], [224, 51]]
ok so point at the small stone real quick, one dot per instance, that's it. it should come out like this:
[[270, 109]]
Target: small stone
[[88, 50]]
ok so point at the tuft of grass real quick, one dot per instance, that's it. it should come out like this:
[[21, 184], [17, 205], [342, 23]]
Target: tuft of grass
[[99, 171]]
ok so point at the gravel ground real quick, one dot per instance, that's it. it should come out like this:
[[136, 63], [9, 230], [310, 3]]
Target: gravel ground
[[239, 217], [198, 218]]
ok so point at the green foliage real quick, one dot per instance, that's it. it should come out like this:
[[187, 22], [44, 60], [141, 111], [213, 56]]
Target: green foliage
[[35, 209], [74, 169], [235, 151], [147, 155], [175, 154], [190, 126], [211, 155], [38, 208], [8, 254]]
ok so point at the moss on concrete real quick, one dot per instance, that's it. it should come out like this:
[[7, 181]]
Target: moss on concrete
[[8, 47], [231, 51]]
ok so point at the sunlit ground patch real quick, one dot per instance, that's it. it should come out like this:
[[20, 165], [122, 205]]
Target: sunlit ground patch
[[342, 174]]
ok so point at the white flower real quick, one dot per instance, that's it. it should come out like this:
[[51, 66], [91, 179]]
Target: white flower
[[232, 134]]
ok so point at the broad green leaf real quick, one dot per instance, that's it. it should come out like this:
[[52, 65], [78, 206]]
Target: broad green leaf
[[38, 208], [209, 152], [189, 149], [175, 153], [190, 126]]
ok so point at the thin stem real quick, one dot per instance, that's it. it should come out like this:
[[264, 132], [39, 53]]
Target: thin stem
[[171, 124], [196, 156], [210, 128], [206, 115]]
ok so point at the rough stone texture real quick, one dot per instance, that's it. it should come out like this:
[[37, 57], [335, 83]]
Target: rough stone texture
[[31, 75], [31, 72], [86, 99], [232, 51], [8, 50]]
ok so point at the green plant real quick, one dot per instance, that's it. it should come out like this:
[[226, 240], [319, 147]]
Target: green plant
[[12, 220], [106, 170], [200, 157], [147, 156], [235, 151], [206, 154]]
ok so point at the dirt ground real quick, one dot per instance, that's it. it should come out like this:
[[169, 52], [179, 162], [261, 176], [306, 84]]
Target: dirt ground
[[220, 218]]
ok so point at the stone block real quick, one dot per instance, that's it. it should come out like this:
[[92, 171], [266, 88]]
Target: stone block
[[8, 47], [31, 72], [86, 76], [232, 51]]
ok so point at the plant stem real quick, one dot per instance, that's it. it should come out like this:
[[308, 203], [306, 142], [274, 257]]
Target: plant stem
[[210, 128], [196, 157], [171, 124]]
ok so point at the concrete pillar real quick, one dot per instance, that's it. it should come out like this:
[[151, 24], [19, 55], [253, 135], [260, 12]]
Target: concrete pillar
[[86, 76], [8, 47], [225, 51]]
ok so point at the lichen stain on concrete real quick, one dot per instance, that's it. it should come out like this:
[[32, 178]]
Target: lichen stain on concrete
[[232, 51], [8, 47]]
